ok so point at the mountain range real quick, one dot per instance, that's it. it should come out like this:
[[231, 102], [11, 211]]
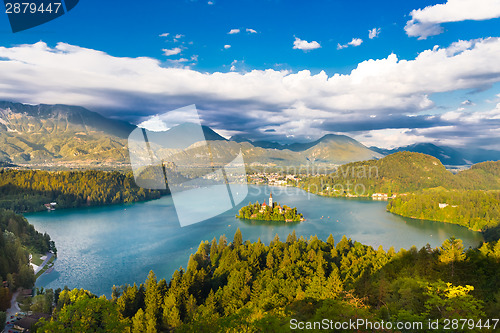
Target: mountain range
[[447, 155], [63, 135], [72, 136], [46, 134]]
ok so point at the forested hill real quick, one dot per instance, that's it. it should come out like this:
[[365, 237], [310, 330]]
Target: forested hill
[[252, 287], [476, 210], [29, 190], [403, 172], [18, 239], [422, 188]]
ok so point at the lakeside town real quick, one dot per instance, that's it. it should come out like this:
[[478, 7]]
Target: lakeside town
[[289, 180]]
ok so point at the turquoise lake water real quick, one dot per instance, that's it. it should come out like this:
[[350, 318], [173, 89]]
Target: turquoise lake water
[[113, 245]]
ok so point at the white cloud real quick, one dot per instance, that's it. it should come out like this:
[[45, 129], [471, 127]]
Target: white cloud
[[170, 52], [390, 138], [301, 102], [354, 42], [373, 33], [164, 34], [233, 65], [234, 31], [179, 62], [177, 37], [472, 117], [305, 45], [210, 2], [426, 22], [227, 46], [252, 31]]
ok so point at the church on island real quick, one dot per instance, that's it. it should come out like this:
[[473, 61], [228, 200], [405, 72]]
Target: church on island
[[270, 212], [271, 204]]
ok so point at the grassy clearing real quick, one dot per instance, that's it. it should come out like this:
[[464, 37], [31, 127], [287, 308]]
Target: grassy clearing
[[50, 263], [36, 259]]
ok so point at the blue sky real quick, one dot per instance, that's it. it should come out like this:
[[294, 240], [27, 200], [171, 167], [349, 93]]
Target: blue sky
[[132, 29], [273, 37]]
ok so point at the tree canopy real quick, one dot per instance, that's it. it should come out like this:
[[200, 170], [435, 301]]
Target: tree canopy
[[255, 287]]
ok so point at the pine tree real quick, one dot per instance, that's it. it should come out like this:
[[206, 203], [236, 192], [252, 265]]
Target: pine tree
[[214, 250], [238, 239], [139, 322], [331, 241], [222, 243], [292, 238], [153, 303], [334, 284], [171, 315], [270, 260], [451, 251], [275, 241]]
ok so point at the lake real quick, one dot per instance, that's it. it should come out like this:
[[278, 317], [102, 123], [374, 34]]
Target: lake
[[113, 245]]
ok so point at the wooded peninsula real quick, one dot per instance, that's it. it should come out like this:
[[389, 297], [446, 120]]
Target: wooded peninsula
[[29, 190]]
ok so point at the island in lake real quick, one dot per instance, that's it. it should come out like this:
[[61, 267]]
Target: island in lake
[[270, 212]]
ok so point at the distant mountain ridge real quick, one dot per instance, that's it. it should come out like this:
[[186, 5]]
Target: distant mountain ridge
[[72, 135], [76, 115], [296, 146], [39, 134], [447, 155]]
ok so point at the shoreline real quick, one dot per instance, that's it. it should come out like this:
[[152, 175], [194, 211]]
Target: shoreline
[[46, 265], [447, 222]]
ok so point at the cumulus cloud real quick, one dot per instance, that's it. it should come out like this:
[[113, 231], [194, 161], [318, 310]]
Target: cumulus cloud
[[234, 31], [426, 22], [457, 128], [373, 33], [292, 103], [391, 138], [354, 42], [170, 52], [303, 45], [165, 34], [210, 2], [227, 46], [252, 31]]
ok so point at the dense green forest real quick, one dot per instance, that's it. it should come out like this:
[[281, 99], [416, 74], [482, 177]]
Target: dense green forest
[[17, 241], [29, 190], [257, 211], [252, 287], [420, 182], [401, 172], [472, 209]]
